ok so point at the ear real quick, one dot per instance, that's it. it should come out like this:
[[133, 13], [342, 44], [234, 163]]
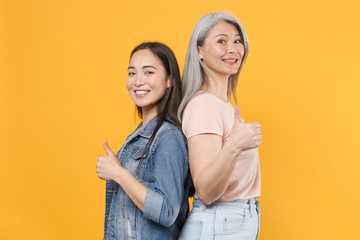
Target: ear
[[168, 82], [200, 52]]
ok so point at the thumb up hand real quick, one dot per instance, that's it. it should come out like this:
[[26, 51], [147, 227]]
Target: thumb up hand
[[244, 136], [237, 117], [107, 167], [107, 149]]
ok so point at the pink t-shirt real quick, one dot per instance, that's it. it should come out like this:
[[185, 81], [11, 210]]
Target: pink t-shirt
[[206, 113]]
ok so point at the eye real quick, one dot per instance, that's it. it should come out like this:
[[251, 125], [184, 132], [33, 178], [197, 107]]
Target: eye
[[221, 41], [148, 72], [131, 73], [237, 41]]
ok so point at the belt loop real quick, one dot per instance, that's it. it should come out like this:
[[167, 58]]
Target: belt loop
[[253, 206], [257, 205], [250, 208]]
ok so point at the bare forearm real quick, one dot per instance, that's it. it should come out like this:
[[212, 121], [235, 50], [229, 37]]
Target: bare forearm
[[212, 162], [213, 180], [132, 187]]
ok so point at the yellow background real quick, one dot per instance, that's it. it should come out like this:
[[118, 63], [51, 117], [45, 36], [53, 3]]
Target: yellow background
[[62, 92]]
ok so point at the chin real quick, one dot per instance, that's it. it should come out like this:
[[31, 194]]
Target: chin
[[231, 73]]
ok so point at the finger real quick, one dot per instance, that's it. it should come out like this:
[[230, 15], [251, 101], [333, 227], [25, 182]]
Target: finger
[[258, 143], [255, 125], [100, 161], [258, 131], [107, 148], [237, 117], [250, 127]]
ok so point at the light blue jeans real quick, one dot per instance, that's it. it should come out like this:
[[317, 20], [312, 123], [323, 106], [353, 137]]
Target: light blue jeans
[[238, 219]]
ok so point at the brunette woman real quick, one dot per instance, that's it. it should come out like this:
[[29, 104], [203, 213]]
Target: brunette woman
[[148, 179]]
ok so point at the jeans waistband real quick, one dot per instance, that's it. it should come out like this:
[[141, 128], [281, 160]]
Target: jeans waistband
[[251, 204], [233, 203]]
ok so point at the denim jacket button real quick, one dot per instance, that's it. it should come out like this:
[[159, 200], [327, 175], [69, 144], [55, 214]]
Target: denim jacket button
[[110, 218]]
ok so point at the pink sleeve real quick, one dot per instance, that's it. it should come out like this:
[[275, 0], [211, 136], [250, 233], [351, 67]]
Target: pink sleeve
[[202, 116]]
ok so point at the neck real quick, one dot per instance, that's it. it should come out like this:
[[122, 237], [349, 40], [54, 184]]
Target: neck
[[148, 114], [218, 86]]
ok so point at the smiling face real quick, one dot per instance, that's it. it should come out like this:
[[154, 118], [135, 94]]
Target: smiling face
[[222, 51], [147, 81]]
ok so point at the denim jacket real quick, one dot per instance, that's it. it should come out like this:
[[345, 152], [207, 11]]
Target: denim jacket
[[164, 170]]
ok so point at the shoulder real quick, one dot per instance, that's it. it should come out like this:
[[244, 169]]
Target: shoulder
[[168, 131], [203, 100], [170, 141], [168, 126], [203, 114], [202, 105]]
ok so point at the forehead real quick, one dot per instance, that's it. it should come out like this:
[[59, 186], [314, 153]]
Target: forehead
[[224, 28], [144, 57]]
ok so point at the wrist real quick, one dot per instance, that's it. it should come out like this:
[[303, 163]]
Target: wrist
[[120, 175], [233, 149]]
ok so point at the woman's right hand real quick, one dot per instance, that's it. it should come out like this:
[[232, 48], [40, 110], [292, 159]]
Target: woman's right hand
[[108, 166], [244, 136]]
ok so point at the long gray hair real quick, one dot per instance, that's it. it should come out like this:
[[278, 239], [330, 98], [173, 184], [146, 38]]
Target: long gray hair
[[194, 75]]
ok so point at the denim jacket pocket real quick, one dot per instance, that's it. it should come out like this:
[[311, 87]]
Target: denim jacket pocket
[[138, 152], [139, 156]]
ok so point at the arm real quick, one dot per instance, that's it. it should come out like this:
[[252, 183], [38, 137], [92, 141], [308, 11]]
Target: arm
[[164, 197], [212, 164], [162, 201]]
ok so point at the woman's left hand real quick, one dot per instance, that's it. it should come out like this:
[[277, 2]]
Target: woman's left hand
[[108, 166]]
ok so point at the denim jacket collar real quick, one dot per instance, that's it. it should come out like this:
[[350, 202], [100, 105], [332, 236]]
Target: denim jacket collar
[[149, 128]]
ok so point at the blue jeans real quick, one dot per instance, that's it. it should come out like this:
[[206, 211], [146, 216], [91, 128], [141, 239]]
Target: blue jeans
[[238, 219]]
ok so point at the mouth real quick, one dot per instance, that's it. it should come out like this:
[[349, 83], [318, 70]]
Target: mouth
[[141, 93], [230, 60]]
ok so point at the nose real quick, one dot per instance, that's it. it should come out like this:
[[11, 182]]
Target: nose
[[139, 80], [231, 47]]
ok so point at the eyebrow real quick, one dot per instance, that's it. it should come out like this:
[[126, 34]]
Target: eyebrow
[[146, 66], [225, 35]]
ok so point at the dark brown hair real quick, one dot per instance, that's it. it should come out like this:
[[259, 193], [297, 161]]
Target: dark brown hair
[[168, 105]]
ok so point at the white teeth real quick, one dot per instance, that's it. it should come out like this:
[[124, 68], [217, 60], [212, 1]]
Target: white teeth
[[140, 92], [227, 60]]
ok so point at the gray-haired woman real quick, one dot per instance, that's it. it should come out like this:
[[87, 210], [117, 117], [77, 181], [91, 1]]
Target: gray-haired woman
[[223, 150]]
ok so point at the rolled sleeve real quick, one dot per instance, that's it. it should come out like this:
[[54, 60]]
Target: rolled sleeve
[[153, 205], [170, 166]]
